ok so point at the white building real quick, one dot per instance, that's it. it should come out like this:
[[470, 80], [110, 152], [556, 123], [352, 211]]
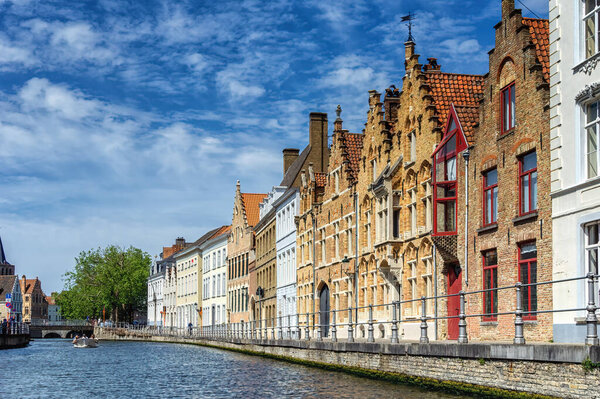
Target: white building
[[187, 263], [156, 282], [214, 278], [575, 137], [170, 293], [287, 206], [53, 309]]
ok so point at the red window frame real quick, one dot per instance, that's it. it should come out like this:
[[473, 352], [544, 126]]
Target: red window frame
[[491, 295], [529, 174], [453, 124], [508, 92], [526, 292], [490, 188]]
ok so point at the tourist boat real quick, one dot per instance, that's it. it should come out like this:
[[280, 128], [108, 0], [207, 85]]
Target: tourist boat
[[85, 342]]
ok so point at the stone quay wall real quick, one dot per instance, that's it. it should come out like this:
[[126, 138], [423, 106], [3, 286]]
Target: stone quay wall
[[483, 369], [13, 341]]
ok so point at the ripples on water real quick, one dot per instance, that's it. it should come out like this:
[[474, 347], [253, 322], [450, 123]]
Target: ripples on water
[[54, 369]]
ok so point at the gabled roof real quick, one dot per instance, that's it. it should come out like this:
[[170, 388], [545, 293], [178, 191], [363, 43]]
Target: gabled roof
[[469, 119], [354, 142], [29, 286], [6, 286], [453, 88], [220, 231], [251, 202], [206, 237], [294, 169], [540, 37]]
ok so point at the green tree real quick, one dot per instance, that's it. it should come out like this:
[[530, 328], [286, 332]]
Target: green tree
[[113, 278]]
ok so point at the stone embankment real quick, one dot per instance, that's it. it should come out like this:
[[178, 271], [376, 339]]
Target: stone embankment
[[10, 341], [480, 369]]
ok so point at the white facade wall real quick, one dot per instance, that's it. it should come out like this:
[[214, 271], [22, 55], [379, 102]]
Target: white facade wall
[[574, 84], [214, 280], [170, 296], [285, 229], [155, 298]]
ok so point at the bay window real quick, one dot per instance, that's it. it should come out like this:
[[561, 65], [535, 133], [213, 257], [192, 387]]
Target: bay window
[[490, 282], [592, 138], [490, 197], [528, 275], [528, 183], [508, 107]]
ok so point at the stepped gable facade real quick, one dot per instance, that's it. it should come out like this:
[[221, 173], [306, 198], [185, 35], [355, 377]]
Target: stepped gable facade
[[241, 256], [509, 234]]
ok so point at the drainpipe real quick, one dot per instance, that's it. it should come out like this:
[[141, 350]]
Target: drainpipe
[[435, 291], [356, 257], [466, 155]]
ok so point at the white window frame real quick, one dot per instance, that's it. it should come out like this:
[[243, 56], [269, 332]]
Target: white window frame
[[587, 125], [595, 15]]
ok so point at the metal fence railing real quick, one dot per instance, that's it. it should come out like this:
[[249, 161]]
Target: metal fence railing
[[326, 325], [73, 322], [14, 328]]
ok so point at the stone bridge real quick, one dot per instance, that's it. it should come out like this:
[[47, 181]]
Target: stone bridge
[[60, 331]]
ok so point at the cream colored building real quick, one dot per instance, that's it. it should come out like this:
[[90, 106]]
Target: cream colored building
[[187, 263]]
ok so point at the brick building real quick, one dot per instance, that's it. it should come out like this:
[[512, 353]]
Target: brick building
[[503, 162], [35, 307], [241, 256]]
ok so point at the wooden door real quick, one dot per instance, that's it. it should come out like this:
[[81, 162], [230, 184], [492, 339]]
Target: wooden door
[[324, 311], [454, 287]]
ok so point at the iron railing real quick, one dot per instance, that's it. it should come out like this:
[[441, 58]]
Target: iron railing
[[300, 327], [14, 328]]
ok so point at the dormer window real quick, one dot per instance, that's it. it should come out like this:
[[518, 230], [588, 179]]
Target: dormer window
[[445, 177], [508, 108]]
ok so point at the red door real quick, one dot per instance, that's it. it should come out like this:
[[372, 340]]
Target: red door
[[454, 287]]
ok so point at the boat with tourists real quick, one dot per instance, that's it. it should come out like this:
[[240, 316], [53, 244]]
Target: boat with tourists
[[85, 342]]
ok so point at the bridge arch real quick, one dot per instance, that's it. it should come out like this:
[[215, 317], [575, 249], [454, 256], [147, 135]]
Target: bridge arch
[[52, 335]]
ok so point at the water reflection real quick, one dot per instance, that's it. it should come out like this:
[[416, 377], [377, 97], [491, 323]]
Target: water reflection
[[54, 369]]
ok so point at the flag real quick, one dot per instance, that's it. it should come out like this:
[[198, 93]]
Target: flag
[[407, 18]]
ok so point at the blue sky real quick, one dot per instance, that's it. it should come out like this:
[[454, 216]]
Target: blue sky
[[129, 122]]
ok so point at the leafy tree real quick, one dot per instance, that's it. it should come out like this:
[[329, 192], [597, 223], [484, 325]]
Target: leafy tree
[[113, 278]]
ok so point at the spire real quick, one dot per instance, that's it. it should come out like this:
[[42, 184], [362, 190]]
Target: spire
[[3, 260]]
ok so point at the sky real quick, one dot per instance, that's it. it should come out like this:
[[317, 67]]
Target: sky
[[129, 122]]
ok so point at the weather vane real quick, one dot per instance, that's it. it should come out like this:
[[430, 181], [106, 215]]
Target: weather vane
[[410, 17]]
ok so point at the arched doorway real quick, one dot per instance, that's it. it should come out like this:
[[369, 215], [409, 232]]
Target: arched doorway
[[324, 310]]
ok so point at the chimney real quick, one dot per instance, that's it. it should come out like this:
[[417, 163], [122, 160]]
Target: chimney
[[409, 50], [180, 241], [508, 6], [289, 156], [319, 144]]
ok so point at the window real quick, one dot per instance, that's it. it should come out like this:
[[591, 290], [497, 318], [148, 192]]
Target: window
[[412, 281], [508, 108], [412, 139], [592, 250], [528, 275], [528, 183], [368, 229], [445, 188], [323, 245], [592, 133], [374, 169], [336, 180], [428, 280], [490, 197], [412, 209], [336, 239], [349, 235], [382, 220], [490, 281], [591, 27], [396, 215]]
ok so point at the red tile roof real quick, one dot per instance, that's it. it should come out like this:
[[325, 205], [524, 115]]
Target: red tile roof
[[221, 230], [469, 118], [353, 148], [251, 208], [540, 37], [454, 88], [321, 179], [50, 300], [29, 285]]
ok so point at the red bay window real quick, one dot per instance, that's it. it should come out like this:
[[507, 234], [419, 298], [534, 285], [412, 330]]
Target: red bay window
[[445, 176], [528, 183]]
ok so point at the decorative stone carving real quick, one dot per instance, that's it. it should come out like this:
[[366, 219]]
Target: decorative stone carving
[[589, 91], [588, 66]]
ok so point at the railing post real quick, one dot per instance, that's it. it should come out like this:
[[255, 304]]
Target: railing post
[[289, 327], [519, 338], [243, 332], [591, 319], [370, 329], [350, 328], [462, 321], [280, 329], [319, 334], [307, 330], [333, 328], [298, 329], [273, 328], [394, 325], [424, 338]]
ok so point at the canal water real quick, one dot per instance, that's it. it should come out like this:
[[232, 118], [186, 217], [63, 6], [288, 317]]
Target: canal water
[[52, 368]]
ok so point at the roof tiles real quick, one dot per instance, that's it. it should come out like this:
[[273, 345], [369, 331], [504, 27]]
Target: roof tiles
[[251, 202], [540, 37], [469, 119], [321, 179], [454, 88], [353, 147]]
